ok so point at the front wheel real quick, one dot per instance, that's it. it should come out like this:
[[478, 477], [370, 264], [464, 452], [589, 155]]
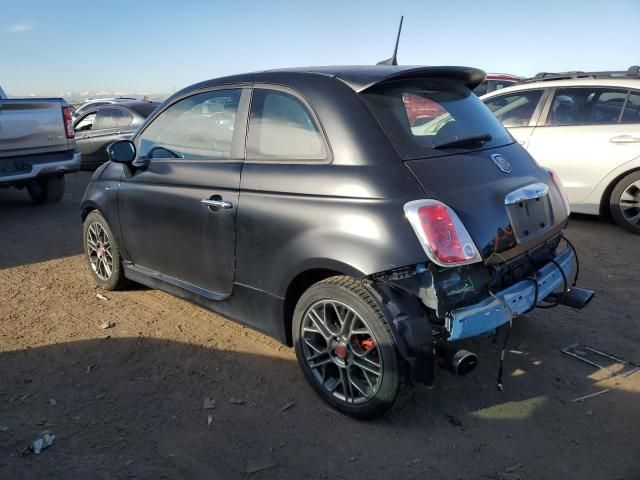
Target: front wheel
[[102, 253], [346, 350], [625, 203]]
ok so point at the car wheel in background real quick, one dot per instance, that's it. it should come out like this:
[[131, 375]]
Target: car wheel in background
[[625, 202], [47, 189], [345, 348], [102, 253]]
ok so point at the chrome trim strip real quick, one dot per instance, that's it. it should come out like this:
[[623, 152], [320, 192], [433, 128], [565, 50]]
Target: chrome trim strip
[[535, 190]]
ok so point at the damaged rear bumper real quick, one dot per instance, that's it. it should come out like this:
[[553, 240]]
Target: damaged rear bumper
[[519, 298]]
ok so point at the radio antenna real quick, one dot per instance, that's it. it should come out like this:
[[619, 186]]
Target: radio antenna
[[394, 59]]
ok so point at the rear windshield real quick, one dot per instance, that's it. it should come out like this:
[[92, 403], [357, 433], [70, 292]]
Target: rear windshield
[[423, 116], [145, 109]]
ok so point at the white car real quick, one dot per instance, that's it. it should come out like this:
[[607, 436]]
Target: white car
[[586, 127]]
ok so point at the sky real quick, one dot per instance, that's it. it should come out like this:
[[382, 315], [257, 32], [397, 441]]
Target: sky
[[51, 47]]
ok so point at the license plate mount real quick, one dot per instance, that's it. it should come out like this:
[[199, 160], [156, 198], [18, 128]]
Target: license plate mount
[[529, 212]]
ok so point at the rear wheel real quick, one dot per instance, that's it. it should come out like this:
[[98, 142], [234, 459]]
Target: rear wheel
[[102, 253], [346, 350], [625, 202], [47, 189]]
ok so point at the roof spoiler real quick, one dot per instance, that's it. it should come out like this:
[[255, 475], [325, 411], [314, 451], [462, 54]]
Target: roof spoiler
[[471, 77]]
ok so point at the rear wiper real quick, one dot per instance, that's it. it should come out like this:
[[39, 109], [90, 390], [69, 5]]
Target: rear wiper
[[461, 142]]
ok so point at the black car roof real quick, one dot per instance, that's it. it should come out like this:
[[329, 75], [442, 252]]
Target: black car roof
[[357, 77]]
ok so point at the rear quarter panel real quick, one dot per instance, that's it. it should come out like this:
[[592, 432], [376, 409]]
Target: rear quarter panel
[[293, 218]]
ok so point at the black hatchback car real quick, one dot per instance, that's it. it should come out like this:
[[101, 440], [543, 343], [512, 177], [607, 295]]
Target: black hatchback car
[[100, 126], [303, 204]]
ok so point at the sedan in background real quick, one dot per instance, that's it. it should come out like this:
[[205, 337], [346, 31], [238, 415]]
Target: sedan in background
[[100, 126]]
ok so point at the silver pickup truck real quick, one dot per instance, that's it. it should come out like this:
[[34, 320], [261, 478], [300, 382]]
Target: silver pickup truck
[[37, 146]]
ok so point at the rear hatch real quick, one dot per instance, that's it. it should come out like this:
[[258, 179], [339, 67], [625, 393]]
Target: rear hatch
[[465, 158], [32, 126]]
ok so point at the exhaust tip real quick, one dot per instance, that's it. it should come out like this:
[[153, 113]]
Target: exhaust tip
[[577, 297], [459, 362], [464, 362]]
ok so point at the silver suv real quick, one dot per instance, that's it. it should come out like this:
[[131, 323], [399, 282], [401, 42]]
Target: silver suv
[[586, 127]]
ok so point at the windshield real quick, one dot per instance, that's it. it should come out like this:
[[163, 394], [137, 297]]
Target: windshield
[[422, 115]]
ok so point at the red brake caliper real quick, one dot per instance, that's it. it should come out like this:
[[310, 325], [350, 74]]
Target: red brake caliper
[[367, 344]]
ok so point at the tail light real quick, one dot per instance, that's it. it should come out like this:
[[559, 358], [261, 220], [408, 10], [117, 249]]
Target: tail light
[[441, 233], [68, 122], [558, 183]]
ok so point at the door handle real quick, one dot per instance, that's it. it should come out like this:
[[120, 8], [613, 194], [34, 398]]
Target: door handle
[[624, 139], [216, 204]]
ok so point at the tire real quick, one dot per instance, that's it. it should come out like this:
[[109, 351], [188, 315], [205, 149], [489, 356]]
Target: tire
[[625, 203], [328, 356], [47, 189], [102, 253]]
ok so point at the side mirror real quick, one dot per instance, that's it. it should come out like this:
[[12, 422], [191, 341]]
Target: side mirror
[[122, 151]]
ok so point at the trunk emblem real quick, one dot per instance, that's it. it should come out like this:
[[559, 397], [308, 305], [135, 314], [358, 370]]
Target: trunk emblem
[[501, 162]]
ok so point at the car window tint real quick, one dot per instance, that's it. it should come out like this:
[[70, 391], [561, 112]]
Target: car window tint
[[197, 127], [515, 109], [632, 109], [586, 106], [454, 113], [125, 119], [282, 128], [106, 118], [86, 123]]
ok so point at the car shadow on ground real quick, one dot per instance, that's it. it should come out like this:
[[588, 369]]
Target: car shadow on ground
[[133, 407], [31, 233]]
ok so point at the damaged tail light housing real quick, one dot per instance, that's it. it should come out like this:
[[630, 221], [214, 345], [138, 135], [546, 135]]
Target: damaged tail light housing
[[441, 233], [68, 122], [558, 183]]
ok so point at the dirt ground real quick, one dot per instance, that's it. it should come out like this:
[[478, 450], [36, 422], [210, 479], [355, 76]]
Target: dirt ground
[[128, 401]]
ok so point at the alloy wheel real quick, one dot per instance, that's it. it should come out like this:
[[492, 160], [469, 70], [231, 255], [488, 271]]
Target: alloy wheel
[[630, 203], [99, 251], [341, 351]]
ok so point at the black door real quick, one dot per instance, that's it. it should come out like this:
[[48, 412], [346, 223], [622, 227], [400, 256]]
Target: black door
[[178, 214]]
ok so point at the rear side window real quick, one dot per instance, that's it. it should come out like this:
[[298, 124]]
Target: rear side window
[[515, 109], [631, 112], [125, 119], [281, 127], [586, 106], [106, 118], [195, 128], [454, 114]]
